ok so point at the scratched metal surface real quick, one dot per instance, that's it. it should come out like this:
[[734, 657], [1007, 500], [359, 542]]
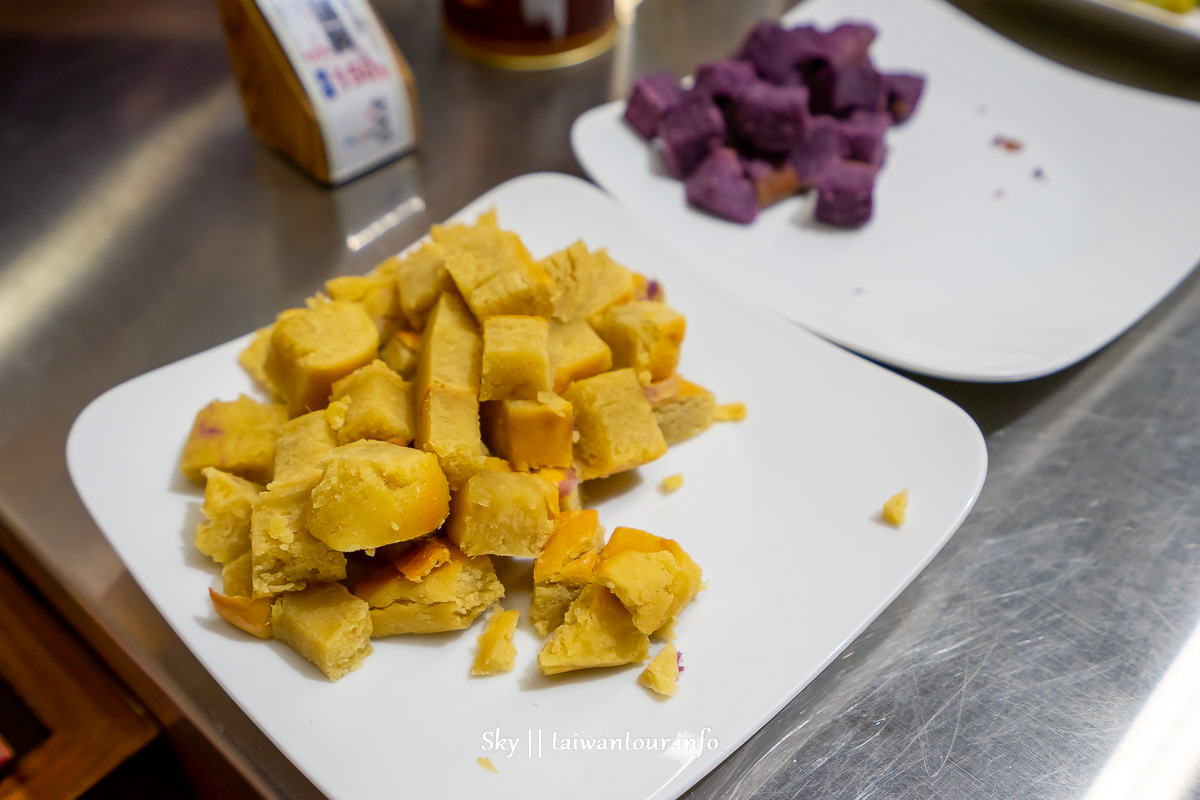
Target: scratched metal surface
[[1020, 661]]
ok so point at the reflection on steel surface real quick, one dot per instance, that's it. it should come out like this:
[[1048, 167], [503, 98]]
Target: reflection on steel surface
[[357, 241]]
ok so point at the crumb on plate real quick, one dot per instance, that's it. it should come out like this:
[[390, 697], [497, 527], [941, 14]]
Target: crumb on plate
[[672, 482], [895, 510], [487, 764], [731, 412]]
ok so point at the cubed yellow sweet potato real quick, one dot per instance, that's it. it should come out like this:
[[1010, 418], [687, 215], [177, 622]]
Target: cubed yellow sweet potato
[[681, 408], [376, 294], [576, 352], [327, 625], [421, 277], [303, 442], [588, 283], [516, 362], [598, 631], [228, 500], [313, 348], [451, 348], [237, 437], [379, 405], [285, 556], [402, 352], [494, 271], [448, 426], [497, 653], [447, 597], [250, 614], [645, 336], [616, 426], [653, 577], [661, 675], [375, 493], [530, 433], [503, 513]]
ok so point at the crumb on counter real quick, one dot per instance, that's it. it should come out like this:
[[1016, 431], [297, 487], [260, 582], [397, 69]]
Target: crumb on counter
[[487, 764], [895, 510], [672, 482], [731, 412]]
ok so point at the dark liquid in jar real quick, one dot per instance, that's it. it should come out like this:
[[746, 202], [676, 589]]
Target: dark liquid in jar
[[527, 27]]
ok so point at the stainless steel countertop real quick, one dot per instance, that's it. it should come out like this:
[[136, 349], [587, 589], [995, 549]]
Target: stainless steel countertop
[[140, 222]]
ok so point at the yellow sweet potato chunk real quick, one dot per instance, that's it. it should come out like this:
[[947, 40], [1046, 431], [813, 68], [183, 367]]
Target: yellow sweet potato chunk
[[494, 271], [254, 358], [447, 598], [421, 277], [516, 362], [303, 442], [228, 500], [643, 335], [376, 294], [616, 426], [327, 625], [237, 578], [379, 405], [312, 348], [661, 675], [423, 558], [549, 603], [634, 578], [681, 408], [451, 349], [377, 493], [448, 426], [402, 352], [497, 653], [576, 533], [576, 352], [237, 437], [530, 433], [597, 632], [285, 556], [588, 283], [503, 513], [250, 614]]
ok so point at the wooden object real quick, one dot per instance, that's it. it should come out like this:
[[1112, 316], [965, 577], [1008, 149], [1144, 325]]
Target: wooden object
[[93, 725], [278, 109]]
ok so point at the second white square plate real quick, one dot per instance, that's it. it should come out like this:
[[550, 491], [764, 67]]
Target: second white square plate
[[781, 511], [981, 263]]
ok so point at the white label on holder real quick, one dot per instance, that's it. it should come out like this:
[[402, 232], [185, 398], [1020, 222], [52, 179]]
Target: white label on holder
[[351, 76]]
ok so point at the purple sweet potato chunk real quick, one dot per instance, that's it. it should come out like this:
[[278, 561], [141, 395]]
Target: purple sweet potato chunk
[[862, 136], [772, 51], [848, 43], [857, 87], [844, 194], [649, 99], [821, 148], [773, 180], [689, 130], [903, 92], [720, 186], [772, 119], [725, 80]]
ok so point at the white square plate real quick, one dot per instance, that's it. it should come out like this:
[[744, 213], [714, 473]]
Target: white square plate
[[780, 510], [972, 268]]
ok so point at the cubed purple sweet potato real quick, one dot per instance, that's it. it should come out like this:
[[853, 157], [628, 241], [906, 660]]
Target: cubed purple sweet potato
[[844, 194], [857, 87], [848, 43], [772, 51], [649, 99], [862, 136], [720, 186], [773, 180], [689, 130], [821, 148], [903, 92], [772, 119], [725, 80]]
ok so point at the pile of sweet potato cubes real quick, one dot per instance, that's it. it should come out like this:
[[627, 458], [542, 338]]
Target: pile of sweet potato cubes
[[794, 109], [434, 414]]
